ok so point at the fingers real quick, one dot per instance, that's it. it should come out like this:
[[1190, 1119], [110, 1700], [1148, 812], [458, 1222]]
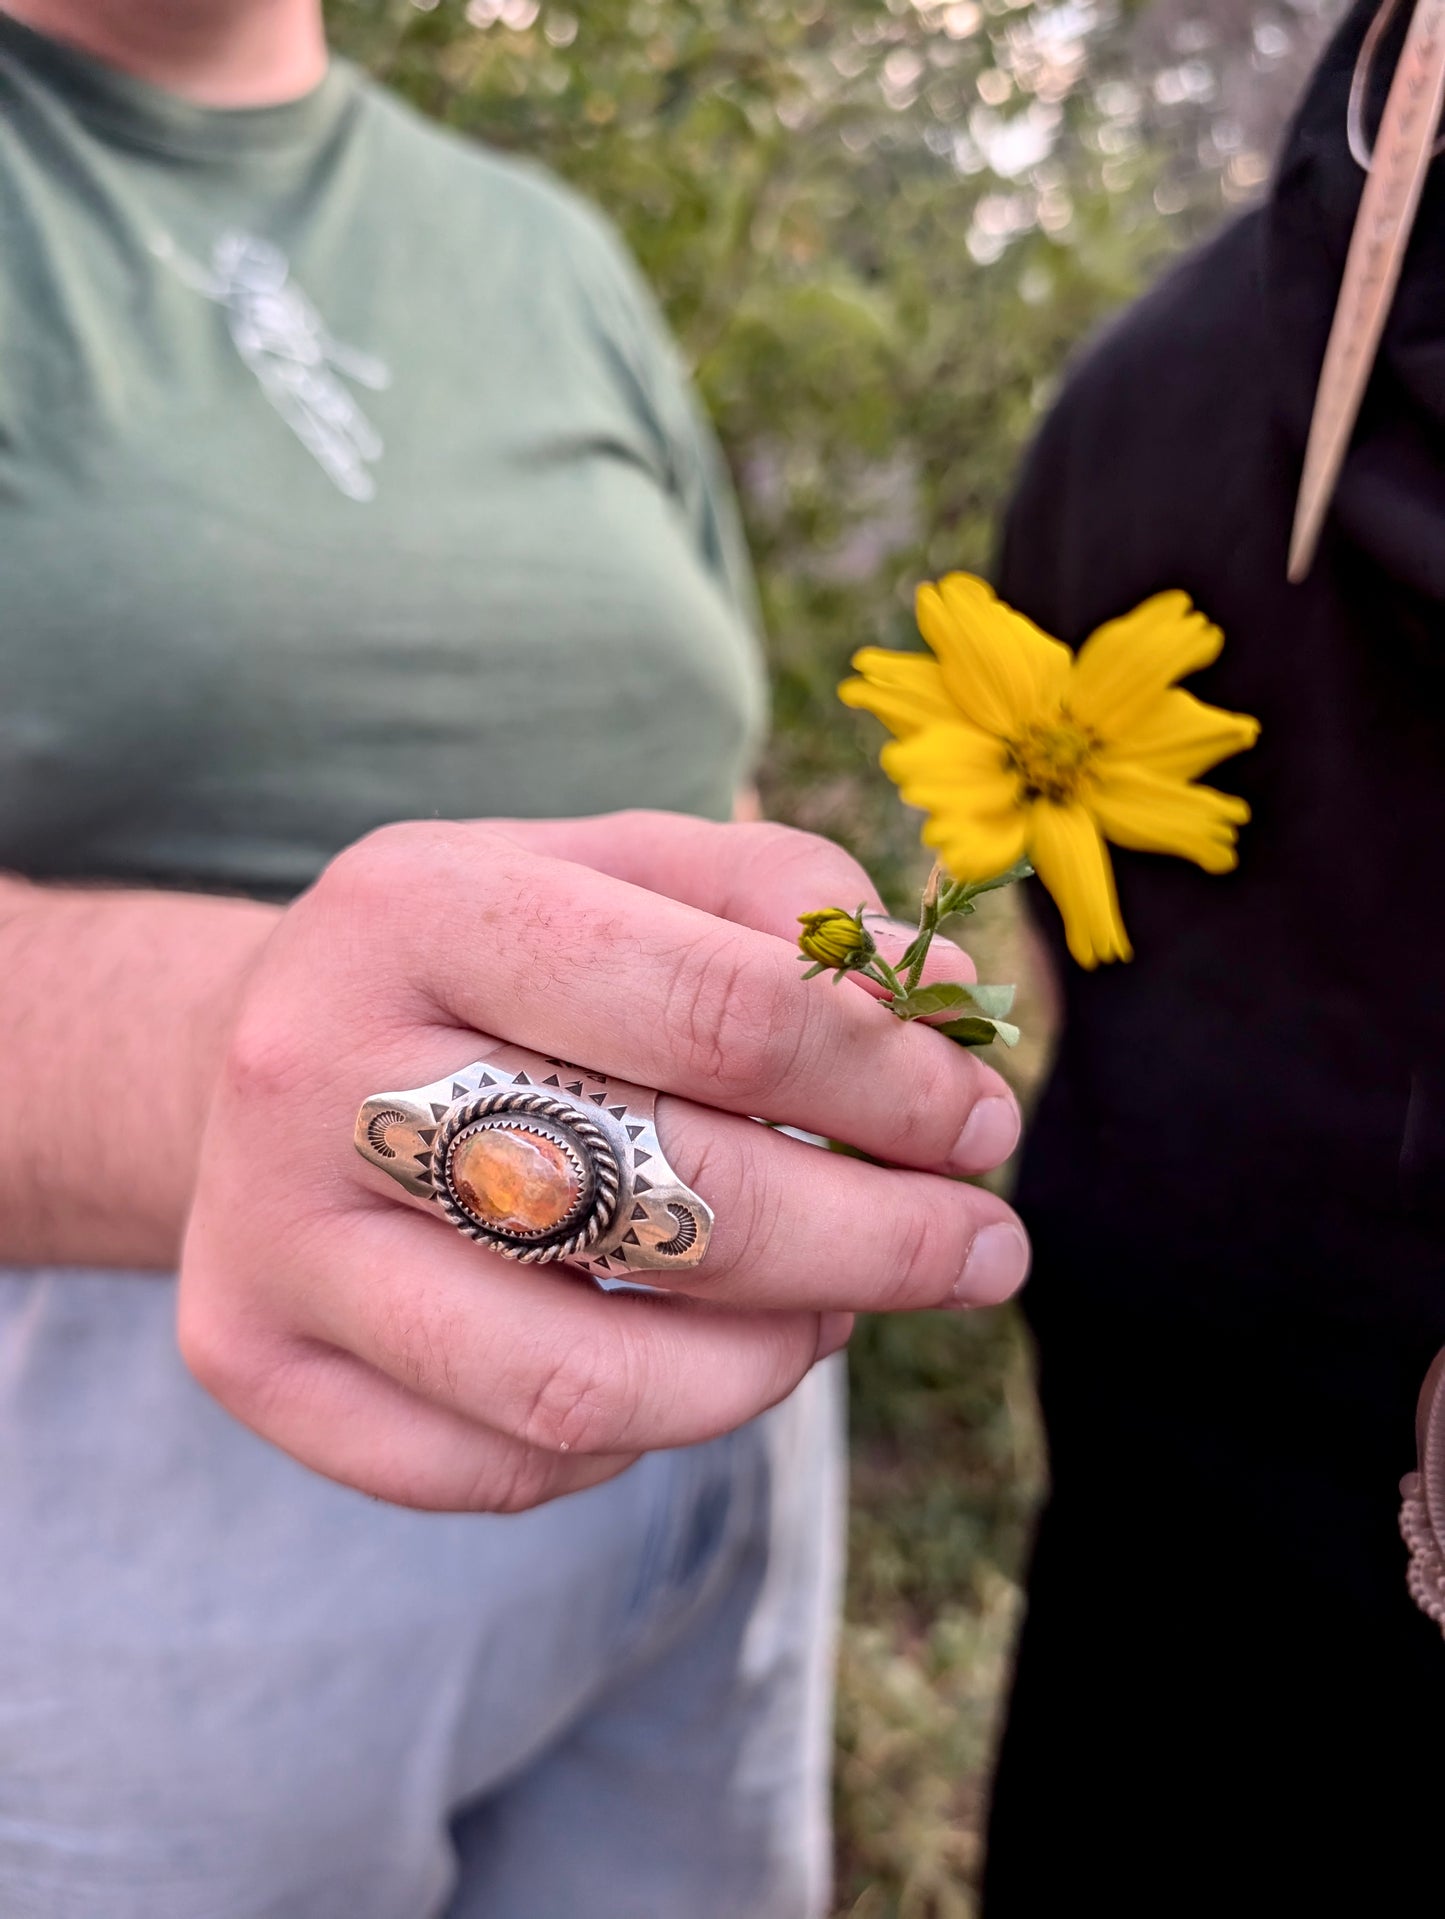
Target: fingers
[[393, 1354], [351, 1423], [539, 1357], [571, 962], [798, 1227], [538, 1354]]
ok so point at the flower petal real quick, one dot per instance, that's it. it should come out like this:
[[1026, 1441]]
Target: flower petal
[[1180, 735], [1126, 664], [1001, 672], [1152, 813], [904, 690], [958, 758], [960, 778], [979, 846], [1073, 863]]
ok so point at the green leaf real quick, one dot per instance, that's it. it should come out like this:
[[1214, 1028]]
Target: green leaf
[[924, 1001], [909, 954], [978, 1030], [995, 1002], [960, 897]]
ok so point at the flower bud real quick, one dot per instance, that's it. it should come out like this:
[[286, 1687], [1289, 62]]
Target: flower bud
[[835, 939]]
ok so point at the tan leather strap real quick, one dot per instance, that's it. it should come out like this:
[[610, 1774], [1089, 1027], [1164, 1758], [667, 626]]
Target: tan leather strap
[[1403, 150]]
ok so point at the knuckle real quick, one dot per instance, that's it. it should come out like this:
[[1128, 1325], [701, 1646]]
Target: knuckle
[[733, 1026], [269, 1054], [386, 869], [918, 1265], [226, 1363], [574, 1407], [930, 1111], [720, 1168], [371, 864], [209, 1358], [789, 1358], [362, 929]]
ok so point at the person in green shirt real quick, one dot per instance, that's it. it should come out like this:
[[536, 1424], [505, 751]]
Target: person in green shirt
[[347, 478]]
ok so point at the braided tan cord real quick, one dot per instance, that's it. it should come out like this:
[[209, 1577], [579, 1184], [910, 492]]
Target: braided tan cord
[[1422, 1510]]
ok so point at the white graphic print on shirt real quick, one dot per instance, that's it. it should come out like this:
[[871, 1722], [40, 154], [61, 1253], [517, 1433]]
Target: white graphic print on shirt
[[293, 354]]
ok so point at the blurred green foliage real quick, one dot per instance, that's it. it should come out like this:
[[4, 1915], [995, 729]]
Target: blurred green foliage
[[874, 314], [878, 228]]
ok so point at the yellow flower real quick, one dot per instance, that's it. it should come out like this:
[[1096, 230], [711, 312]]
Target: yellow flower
[[1015, 747], [834, 938]]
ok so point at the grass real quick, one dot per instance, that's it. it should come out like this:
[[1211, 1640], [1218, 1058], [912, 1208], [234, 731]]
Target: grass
[[948, 1468]]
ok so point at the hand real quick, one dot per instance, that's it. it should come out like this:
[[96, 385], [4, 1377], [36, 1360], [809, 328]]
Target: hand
[[383, 1348]]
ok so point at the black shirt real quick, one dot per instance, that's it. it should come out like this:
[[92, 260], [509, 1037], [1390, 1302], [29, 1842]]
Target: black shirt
[[1236, 1178]]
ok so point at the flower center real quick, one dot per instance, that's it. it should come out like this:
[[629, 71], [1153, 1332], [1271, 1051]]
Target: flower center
[[1053, 762]]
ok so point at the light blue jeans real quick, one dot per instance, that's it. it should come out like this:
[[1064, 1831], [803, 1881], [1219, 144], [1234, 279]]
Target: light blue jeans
[[230, 1689]]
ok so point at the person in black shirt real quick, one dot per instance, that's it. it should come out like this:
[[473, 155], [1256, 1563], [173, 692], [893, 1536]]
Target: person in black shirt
[[1226, 1700]]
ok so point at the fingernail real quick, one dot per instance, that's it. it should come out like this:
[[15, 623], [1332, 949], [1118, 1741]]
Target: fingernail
[[990, 1133], [997, 1265], [834, 1332]]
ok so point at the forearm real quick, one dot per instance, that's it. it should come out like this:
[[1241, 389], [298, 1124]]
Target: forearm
[[114, 1012]]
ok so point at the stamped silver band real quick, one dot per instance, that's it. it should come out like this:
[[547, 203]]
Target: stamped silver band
[[540, 1160]]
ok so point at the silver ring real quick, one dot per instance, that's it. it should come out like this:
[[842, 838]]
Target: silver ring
[[540, 1161]]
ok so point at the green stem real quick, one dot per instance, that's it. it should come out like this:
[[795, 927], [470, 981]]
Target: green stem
[[929, 916], [918, 951], [879, 969], [941, 897]]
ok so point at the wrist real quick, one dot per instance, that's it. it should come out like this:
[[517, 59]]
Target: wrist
[[113, 1029], [236, 934]]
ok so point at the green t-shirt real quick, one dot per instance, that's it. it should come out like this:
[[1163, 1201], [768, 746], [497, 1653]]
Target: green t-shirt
[[346, 475]]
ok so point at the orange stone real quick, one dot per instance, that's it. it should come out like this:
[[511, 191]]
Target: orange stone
[[513, 1181]]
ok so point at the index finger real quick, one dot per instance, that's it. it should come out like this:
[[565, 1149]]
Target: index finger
[[574, 963], [754, 872]]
